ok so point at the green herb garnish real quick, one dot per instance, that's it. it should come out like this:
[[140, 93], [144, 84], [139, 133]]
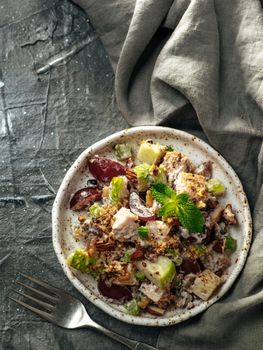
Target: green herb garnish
[[169, 149], [117, 189], [179, 206], [143, 232], [95, 210], [230, 243]]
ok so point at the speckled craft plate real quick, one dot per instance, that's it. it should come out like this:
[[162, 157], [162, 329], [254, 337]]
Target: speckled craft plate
[[198, 151]]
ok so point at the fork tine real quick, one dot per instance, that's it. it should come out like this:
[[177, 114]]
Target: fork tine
[[40, 302], [50, 288], [45, 295], [43, 314]]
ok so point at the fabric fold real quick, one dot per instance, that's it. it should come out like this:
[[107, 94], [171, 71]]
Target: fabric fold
[[188, 64], [131, 82]]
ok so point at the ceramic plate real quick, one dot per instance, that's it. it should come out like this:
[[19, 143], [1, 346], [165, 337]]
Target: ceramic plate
[[198, 151]]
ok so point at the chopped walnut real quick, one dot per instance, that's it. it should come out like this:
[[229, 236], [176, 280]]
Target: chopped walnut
[[229, 216]]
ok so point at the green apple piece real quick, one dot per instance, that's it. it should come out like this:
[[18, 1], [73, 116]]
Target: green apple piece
[[143, 176], [160, 272], [150, 153]]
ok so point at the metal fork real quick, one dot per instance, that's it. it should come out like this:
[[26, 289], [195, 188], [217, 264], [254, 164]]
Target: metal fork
[[66, 311]]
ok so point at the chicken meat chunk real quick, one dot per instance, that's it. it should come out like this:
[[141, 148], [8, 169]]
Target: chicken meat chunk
[[174, 163], [125, 225], [194, 185]]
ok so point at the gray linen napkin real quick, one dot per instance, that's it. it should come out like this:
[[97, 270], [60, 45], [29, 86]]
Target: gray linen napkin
[[181, 62]]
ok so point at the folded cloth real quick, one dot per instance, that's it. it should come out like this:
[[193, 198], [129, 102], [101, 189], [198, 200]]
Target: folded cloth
[[188, 62]]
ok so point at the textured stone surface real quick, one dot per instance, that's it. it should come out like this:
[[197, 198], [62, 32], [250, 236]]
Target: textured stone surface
[[46, 121]]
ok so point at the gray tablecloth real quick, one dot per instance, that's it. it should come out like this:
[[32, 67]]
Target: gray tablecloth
[[194, 65]]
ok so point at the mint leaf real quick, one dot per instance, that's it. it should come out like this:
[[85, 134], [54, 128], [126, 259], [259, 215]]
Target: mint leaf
[[162, 193], [168, 210], [179, 206], [190, 216]]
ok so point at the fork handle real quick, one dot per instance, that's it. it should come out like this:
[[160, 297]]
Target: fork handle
[[131, 344]]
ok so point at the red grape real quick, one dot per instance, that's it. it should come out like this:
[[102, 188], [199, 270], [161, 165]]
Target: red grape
[[189, 266], [114, 291], [105, 169], [138, 208], [84, 197]]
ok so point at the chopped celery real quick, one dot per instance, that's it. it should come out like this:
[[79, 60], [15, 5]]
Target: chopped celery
[[95, 274], [92, 260], [79, 260], [143, 232], [177, 284], [126, 258], [200, 250], [230, 243], [140, 276], [149, 174], [132, 308], [95, 210], [143, 176], [176, 257], [123, 151], [161, 177], [215, 186], [117, 189], [96, 271], [142, 171]]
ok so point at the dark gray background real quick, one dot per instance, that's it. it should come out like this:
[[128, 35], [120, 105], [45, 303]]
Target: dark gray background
[[46, 121]]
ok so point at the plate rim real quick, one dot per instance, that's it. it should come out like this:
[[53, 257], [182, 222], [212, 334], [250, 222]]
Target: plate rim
[[100, 303]]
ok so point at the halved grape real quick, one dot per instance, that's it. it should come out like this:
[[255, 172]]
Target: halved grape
[[114, 291], [84, 197], [105, 169], [138, 207]]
